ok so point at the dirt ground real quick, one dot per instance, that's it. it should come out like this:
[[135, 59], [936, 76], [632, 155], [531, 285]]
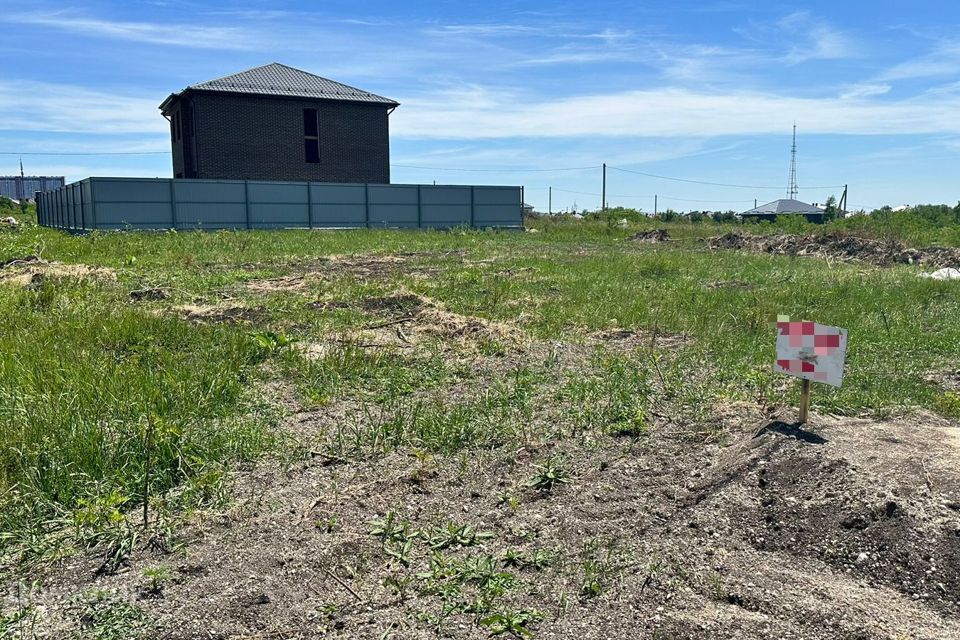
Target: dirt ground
[[30, 271], [847, 528], [654, 235], [838, 246]]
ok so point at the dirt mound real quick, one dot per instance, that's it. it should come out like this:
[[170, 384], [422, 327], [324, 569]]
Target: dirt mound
[[877, 501], [837, 246], [31, 270], [654, 235], [780, 535]]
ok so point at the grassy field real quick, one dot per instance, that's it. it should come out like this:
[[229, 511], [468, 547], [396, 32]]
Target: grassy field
[[89, 375]]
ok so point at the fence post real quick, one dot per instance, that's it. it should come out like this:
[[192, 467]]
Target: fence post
[[93, 205], [366, 203], [246, 201], [173, 206], [473, 204], [309, 206], [83, 214]]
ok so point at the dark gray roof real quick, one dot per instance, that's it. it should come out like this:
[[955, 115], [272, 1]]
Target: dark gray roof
[[783, 206], [276, 79]]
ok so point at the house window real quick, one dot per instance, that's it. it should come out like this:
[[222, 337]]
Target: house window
[[176, 119], [311, 136]]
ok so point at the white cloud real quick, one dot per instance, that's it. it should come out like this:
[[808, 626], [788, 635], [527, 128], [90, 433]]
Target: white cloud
[[813, 39], [485, 30], [805, 37], [37, 106], [187, 35], [478, 113], [944, 60], [866, 90]]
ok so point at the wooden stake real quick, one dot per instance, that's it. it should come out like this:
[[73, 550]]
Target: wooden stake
[[804, 402], [146, 476]]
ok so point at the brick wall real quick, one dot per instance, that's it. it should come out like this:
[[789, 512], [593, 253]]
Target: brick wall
[[176, 145], [262, 138]]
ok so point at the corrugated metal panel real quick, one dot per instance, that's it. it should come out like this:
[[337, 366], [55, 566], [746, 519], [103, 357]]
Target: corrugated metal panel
[[280, 80], [156, 203], [15, 187]]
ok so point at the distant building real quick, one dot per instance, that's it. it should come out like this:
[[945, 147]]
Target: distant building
[[279, 123], [24, 187], [784, 207]]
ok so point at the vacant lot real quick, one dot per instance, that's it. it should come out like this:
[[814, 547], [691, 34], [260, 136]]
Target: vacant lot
[[378, 434]]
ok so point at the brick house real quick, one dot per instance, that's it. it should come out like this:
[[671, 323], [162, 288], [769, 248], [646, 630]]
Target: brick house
[[279, 123]]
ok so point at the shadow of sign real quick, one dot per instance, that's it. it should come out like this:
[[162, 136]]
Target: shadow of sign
[[791, 430]]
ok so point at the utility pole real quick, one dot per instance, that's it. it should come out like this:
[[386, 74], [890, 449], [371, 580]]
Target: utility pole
[[754, 203], [843, 201], [550, 201], [603, 191], [655, 198], [20, 187]]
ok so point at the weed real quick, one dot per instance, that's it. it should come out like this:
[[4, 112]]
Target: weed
[[540, 559], [513, 558], [328, 524], [543, 558], [103, 617], [270, 342], [401, 551], [157, 579], [399, 585], [948, 404], [715, 586], [391, 529], [21, 622], [550, 474], [600, 565], [509, 499], [454, 535], [512, 622]]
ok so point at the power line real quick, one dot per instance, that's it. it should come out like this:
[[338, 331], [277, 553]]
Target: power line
[[712, 184], [579, 193], [416, 166], [84, 153], [706, 201], [651, 195]]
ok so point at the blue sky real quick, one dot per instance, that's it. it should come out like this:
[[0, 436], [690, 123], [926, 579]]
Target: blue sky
[[701, 90]]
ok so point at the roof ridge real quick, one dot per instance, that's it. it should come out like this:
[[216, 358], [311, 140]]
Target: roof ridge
[[276, 78]]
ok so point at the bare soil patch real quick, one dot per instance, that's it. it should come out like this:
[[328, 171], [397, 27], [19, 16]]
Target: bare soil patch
[[150, 294], [367, 267], [778, 534], [410, 319], [947, 379], [838, 246], [652, 236], [293, 283], [216, 313], [31, 270]]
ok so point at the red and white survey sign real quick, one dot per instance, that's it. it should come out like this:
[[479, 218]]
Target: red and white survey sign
[[811, 351]]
